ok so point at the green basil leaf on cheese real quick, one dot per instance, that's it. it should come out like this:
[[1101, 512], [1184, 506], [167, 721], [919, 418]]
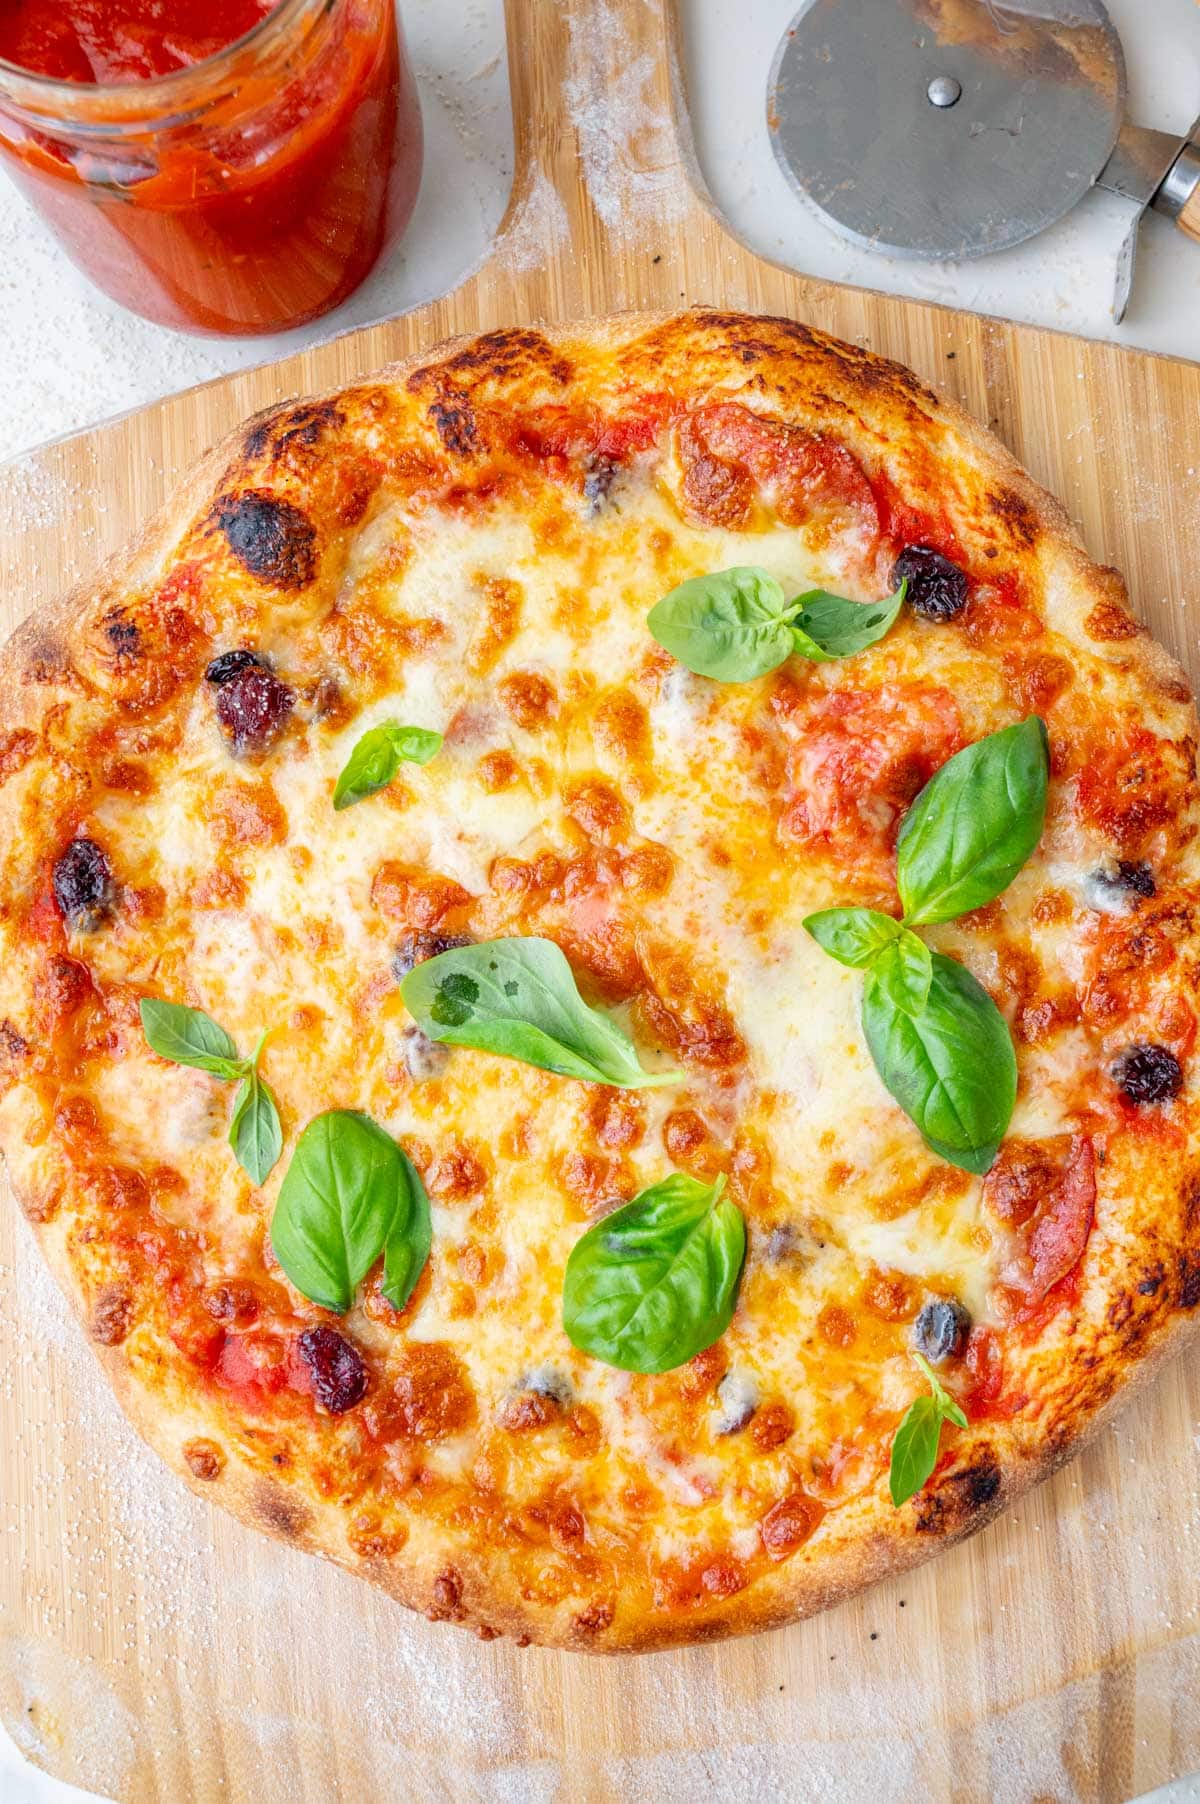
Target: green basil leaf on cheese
[[828, 626], [854, 936], [518, 998], [377, 757], [903, 972], [732, 625], [949, 1063], [654, 1283], [187, 1036], [735, 625], [255, 1132], [349, 1194], [974, 824]]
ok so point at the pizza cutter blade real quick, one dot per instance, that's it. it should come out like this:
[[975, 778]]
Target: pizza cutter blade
[[949, 129]]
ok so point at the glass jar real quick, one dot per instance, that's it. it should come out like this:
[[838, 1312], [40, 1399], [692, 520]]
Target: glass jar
[[246, 193]]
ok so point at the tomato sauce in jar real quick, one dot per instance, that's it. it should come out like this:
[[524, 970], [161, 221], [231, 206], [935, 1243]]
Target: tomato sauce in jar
[[224, 166]]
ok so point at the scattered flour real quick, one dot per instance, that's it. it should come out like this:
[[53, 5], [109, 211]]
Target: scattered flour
[[626, 138], [537, 228]]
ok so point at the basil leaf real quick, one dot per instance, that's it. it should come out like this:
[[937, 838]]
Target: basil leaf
[[915, 1446], [255, 1133], [377, 757], [950, 1408], [653, 1284], [406, 1248], [349, 1194], [903, 972], [950, 1065], [517, 997], [828, 626], [974, 824], [187, 1036], [914, 1449], [854, 936], [731, 625]]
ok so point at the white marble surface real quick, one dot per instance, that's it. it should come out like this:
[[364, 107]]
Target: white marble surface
[[69, 358]]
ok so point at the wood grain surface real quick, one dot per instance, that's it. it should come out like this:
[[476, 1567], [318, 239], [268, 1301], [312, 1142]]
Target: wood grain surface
[[150, 1649]]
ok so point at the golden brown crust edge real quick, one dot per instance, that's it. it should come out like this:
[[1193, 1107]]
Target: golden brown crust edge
[[811, 1583]]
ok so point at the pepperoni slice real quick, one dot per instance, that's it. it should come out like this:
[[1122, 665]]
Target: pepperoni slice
[[1060, 1184], [856, 762], [728, 453]]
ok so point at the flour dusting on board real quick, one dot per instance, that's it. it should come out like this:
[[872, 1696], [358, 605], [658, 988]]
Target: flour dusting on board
[[626, 141], [537, 228]]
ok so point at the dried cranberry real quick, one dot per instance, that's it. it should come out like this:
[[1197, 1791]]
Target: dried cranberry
[[232, 663], [83, 885], [941, 1329], [338, 1374], [415, 948], [1145, 1074], [937, 589], [253, 707]]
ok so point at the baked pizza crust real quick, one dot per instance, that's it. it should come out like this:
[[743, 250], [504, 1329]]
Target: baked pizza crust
[[1093, 1359]]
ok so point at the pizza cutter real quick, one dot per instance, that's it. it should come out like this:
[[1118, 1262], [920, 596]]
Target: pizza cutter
[[952, 128]]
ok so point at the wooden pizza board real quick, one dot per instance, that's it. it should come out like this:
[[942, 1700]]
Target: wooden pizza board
[[152, 1649]]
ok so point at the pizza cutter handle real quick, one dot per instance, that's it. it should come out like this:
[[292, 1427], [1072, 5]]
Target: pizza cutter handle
[[1179, 195]]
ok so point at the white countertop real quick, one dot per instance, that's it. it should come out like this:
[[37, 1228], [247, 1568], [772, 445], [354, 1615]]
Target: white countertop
[[69, 357]]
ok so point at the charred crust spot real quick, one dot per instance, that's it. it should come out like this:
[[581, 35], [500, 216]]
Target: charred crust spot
[[270, 537], [339, 1376], [45, 660], [111, 1315], [959, 1499], [1189, 1281], [1018, 516], [1152, 1283], [446, 1597], [279, 431], [13, 1046], [204, 1459], [276, 1511], [454, 418], [122, 634], [771, 336], [83, 885], [508, 352]]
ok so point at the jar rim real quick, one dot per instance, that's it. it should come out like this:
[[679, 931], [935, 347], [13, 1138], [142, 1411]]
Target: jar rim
[[133, 101]]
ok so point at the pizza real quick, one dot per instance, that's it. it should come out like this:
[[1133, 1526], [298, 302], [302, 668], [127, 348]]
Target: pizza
[[598, 977]]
